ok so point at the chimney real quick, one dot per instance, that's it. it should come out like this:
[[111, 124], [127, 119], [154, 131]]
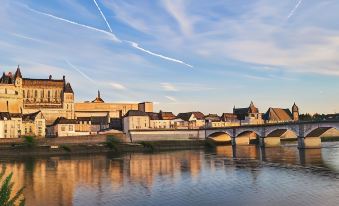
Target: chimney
[[64, 78]]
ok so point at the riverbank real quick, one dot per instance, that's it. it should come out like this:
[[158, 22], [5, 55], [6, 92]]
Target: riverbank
[[95, 145]]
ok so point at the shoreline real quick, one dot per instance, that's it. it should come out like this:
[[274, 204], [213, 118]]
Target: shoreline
[[21, 150]]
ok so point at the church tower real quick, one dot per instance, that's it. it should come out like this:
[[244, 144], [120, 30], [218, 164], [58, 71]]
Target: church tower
[[295, 112]]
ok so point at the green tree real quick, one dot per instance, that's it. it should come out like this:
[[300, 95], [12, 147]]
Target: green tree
[[6, 196]]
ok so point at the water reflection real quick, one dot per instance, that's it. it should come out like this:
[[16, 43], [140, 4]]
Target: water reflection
[[140, 179]]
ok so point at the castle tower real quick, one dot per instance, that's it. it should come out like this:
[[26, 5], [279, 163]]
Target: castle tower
[[295, 112], [69, 101]]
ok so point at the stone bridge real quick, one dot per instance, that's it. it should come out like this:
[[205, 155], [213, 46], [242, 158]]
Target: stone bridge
[[308, 133]]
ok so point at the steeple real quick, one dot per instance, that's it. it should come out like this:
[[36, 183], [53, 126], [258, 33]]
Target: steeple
[[252, 108], [18, 73], [98, 99], [295, 108]]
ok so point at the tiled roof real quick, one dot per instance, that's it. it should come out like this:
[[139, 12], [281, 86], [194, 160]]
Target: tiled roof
[[213, 118], [278, 114], [167, 115], [228, 116]]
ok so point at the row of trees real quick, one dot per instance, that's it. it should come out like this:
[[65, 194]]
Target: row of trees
[[314, 117]]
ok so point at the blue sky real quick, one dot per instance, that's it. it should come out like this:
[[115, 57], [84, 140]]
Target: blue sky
[[271, 52]]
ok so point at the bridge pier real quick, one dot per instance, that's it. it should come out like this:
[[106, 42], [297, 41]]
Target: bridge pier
[[309, 142]]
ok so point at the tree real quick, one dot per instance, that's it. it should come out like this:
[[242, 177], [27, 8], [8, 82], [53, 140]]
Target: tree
[[6, 189]]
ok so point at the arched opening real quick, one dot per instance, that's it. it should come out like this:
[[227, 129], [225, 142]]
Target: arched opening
[[280, 136], [220, 138], [247, 137], [326, 134]]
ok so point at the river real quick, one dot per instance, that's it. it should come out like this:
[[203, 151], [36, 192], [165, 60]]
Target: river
[[246, 175]]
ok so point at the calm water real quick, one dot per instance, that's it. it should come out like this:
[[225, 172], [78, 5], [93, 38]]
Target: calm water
[[246, 176]]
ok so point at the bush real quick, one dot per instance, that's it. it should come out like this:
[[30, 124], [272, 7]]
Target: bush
[[112, 142], [148, 145], [66, 148], [7, 189], [30, 141]]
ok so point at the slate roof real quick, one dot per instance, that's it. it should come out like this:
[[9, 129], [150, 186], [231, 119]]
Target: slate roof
[[30, 117], [243, 112], [135, 113], [68, 88], [153, 116], [278, 114], [63, 120], [5, 116]]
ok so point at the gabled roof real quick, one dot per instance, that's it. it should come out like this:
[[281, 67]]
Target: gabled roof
[[225, 116], [187, 115], [278, 114], [68, 88], [213, 118], [31, 116]]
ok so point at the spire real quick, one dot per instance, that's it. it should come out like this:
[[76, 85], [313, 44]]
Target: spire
[[18, 73], [295, 108], [98, 99]]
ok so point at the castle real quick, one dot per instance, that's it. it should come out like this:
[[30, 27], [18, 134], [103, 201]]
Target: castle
[[55, 98]]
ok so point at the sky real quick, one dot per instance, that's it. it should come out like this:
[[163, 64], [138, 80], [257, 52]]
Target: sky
[[183, 55]]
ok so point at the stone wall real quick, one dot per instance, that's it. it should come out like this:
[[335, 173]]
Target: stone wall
[[166, 135]]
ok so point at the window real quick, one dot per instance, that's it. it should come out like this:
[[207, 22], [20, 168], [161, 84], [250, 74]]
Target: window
[[63, 128], [23, 93], [70, 128], [35, 93]]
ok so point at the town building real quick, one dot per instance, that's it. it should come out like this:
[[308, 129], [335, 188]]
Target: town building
[[16, 125], [276, 115], [135, 119], [195, 119], [248, 115], [63, 127]]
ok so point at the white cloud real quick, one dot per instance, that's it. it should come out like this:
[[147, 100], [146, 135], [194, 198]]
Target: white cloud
[[168, 87], [177, 9], [171, 98], [117, 86]]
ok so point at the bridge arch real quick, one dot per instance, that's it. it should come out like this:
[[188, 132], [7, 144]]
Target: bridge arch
[[220, 137], [282, 133], [248, 131], [319, 131]]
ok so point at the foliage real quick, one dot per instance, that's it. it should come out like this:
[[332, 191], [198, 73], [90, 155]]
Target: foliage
[[148, 145], [112, 142], [30, 141], [66, 148], [6, 197], [309, 117]]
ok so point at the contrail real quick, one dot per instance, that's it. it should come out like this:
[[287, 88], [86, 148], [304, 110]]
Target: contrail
[[77, 24], [294, 9], [103, 16], [78, 70], [114, 38], [136, 45]]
